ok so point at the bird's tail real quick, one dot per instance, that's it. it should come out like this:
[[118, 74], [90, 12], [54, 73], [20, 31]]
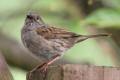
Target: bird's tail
[[84, 37]]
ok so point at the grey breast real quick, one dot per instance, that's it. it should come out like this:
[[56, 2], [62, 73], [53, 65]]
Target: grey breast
[[38, 45]]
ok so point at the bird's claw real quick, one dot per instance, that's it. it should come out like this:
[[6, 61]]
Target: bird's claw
[[43, 68]]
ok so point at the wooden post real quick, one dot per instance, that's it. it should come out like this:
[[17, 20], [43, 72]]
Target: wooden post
[[77, 72], [5, 73]]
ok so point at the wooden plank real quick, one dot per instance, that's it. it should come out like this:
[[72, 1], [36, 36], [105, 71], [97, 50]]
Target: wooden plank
[[111, 73], [77, 72]]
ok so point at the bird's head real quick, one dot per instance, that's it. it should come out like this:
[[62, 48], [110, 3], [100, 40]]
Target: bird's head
[[33, 17]]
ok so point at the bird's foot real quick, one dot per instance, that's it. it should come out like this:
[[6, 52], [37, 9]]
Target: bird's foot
[[43, 67]]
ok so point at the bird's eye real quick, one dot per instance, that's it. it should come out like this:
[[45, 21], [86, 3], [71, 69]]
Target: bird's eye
[[29, 16], [37, 18]]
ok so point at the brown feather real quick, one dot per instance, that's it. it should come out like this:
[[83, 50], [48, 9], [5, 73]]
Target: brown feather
[[53, 32]]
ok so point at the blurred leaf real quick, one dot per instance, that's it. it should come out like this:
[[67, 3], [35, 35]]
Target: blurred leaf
[[104, 18], [18, 73], [112, 3], [49, 5], [12, 27]]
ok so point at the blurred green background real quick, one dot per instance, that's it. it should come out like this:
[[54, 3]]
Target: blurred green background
[[80, 16]]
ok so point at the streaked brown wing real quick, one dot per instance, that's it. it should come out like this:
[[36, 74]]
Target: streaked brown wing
[[54, 33]]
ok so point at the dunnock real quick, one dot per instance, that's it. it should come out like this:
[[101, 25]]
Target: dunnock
[[48, 42]]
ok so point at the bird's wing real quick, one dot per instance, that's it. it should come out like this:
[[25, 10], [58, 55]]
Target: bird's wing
[[54, 33]]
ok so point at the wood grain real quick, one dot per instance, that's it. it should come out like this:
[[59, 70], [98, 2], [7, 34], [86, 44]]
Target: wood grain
[[77, 72]]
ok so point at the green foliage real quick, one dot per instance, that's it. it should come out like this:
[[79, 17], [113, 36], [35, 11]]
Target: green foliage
[[18, 74], [104, 18]]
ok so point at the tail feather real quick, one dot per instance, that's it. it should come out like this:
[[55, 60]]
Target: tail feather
[[84, 37]]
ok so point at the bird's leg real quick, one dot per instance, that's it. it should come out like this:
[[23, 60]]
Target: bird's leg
[[45, 65]]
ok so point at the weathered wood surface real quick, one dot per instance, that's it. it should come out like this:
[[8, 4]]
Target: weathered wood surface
[[5, 73], [77, 72]]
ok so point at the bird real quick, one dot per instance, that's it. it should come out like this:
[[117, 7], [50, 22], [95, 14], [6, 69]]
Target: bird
[[49, 42]]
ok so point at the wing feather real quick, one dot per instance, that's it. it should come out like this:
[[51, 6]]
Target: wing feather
[[54, 33]]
